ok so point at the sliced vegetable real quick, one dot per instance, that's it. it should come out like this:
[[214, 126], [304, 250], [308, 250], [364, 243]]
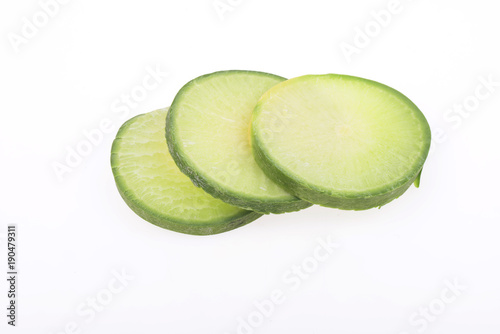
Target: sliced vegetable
[[340, 141], [208, 136], [154, 188]]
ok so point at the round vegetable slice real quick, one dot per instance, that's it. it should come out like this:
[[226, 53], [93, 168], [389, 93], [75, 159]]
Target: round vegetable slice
[[340, 141], [154, 188], [208, 136]]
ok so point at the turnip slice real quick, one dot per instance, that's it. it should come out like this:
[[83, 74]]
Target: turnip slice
[[208, 136], [340, 141], [154, 188]]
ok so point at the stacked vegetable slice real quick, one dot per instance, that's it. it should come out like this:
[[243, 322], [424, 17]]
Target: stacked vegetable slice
[[340, 141], [153, 186], [255, 143], [208, 137]]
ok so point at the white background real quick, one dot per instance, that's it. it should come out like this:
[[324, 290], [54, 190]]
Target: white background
[[391, 264]]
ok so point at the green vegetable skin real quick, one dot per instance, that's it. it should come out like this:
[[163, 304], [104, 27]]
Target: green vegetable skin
[[154, 188], [207, 132], [340, 141]]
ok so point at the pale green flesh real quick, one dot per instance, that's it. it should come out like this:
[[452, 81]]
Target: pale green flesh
[[344, 135], [149, 179], [211, 125]]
